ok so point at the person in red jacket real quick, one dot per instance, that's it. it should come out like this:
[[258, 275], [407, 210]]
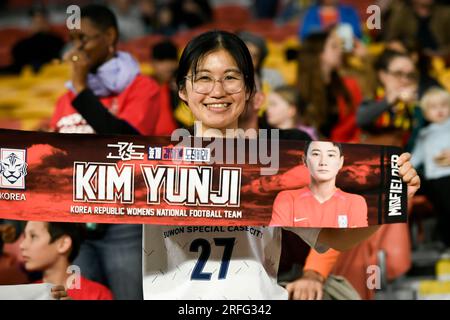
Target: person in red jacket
[[50, 247], [107, 95], [332, 99]]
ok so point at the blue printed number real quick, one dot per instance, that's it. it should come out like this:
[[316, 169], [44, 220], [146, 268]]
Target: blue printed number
[[197, 273], [227, 243]]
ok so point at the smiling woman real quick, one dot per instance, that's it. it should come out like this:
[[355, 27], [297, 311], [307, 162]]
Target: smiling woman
[[216, 80], [213, 264]]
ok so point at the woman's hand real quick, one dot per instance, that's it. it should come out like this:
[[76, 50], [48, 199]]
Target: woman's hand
[[345, 239], [408, 174], [407, 94], [359, 49], [80, 68], [308, 287], [59, 293]]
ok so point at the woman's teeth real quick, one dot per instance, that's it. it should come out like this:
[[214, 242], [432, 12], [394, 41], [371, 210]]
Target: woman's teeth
[[218, 105]]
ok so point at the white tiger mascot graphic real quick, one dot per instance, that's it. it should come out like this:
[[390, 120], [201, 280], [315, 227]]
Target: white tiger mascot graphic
[[12, 168]]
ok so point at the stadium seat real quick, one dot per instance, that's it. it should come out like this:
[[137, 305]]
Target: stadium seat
[[232, 15]]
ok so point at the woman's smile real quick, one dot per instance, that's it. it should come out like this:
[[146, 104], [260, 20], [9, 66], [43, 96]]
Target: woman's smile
[[218, 107]]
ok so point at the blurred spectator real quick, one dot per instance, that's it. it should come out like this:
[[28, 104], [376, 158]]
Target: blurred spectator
[[329, 13], [265, 9], [157, 17], [332, 100], [422, 61], [259, 51], [431, 147], [285, 109], [189, 14], [422, 22], [426, 79], [8, 233], [129, 19], [10, 270], [149, 15], [107, 95], [389, 118], [51, 247], [166, 21], [38, 49], [291, 11], [358, 63], [249, 119], [164, 60], [106, 89], [266, 78]]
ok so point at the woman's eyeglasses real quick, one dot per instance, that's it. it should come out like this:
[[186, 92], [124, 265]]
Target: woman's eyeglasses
[[411, 76], [204, 84]]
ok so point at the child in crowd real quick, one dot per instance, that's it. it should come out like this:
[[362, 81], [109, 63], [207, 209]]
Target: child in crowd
[[50, 247], [285, 108], [431, 148]]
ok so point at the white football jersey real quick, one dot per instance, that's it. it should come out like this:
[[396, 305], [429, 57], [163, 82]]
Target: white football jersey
[[214, 262]]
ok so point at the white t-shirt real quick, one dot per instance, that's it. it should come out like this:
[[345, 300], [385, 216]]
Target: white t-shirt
[[215, 262]]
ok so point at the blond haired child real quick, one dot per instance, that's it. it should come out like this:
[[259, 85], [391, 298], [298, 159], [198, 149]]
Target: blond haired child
[[431, 150]]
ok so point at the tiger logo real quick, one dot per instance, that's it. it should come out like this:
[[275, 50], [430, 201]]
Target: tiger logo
[[13, 168]]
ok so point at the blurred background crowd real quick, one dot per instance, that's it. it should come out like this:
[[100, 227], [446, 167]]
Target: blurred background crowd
[[330, 69]]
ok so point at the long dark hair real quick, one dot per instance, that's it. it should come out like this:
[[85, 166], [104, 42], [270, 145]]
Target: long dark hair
[[321, 97]]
